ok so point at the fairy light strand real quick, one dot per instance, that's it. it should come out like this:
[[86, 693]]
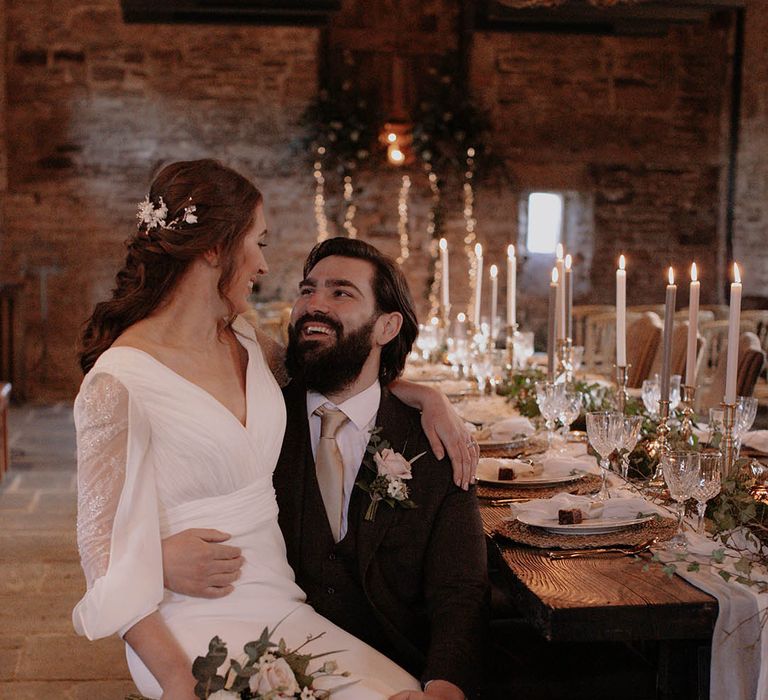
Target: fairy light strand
[[434, 250], [470, 238], [320, 217], [402, 223], [351, 209]]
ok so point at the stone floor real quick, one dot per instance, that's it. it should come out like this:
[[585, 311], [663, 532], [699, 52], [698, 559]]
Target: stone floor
[[41, 657]]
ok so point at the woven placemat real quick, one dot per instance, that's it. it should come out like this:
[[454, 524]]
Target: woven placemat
[[583, 487], [661, 528]]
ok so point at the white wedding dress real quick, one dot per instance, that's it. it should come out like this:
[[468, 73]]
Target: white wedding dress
[[156, 455]]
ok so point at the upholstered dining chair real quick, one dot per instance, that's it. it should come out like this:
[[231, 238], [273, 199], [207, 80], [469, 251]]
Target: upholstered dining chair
[[759, 319], [720, 311], [600, 341], [643, 342], [705, 316], [715, 334], [750, 365], [679, 351], [658, 309], [580, 313]]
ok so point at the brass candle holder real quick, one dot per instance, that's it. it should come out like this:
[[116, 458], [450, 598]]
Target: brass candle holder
[[661, 444], [728, 444], [565, 359], [622, 372], [687, 401]]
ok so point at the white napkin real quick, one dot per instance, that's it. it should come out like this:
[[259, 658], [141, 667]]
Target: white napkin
[[488, 467], [560, 465], [511, 427], [757, 440], [486, 410], [739, 664], [547, 509]]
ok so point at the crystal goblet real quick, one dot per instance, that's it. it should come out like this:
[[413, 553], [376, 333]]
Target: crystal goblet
[[681, 472], [604, 431], [708, 484], [548, 399], [570, 408], [630, 434]]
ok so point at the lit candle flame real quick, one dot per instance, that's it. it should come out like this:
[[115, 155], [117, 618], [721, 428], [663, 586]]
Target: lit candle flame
[[568, 261], [443, 244], [559, 251], [736, 275], [494, 272], [622, 262], [434, 320], [461, 317], [510, 251], [554, 275], [671, 275], [478, 250], [694, 273]]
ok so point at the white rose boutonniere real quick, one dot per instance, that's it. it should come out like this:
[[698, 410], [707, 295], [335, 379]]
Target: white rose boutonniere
[[384, 479]]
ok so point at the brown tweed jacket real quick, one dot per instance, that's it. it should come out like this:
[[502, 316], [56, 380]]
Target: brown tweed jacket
[[423, 571]]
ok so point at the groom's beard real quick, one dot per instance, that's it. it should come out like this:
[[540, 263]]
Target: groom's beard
[[328, 369]]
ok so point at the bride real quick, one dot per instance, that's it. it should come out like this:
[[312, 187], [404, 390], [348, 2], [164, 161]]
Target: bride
[[179, 425]]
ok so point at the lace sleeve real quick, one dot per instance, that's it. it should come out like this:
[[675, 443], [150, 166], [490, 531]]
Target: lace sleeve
[[102, 440]]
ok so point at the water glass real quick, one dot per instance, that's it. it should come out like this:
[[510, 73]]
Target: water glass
[[548, 398], [744, 417], [651, 392], [604, 430], [708, 484], [630, 434], [570, 408], [674, 391], [681, 471]]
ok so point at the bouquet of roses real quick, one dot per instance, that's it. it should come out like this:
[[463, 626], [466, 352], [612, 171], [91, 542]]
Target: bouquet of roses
[[265, 671]]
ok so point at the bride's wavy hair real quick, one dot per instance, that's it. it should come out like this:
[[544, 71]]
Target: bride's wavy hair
[[225, 205]]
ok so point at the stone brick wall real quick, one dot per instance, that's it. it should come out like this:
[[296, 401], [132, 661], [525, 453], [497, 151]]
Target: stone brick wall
[[634, 130], [751, 214]]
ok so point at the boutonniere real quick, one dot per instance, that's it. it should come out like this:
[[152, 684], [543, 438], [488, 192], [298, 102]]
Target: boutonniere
[[384, 474]]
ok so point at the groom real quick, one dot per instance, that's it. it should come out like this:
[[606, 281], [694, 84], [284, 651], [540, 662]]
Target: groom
[[410, 582]]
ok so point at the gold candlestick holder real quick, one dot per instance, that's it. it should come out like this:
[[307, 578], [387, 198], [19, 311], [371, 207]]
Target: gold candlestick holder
[[728, 444], [661, 446], [622, 371], [565, 359], [687, 400], [509, 355]]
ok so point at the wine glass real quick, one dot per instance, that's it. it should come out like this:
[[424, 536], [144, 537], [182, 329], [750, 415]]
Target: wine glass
[[548, 398], [681, 472], [482, 369], [746, 410], [630, 434], [674, 391], [604, 432], [708, 485], [651, 393], [570, 408]]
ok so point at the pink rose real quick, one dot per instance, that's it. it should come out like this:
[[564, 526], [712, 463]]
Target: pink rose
[[391, 463], [275, 676]]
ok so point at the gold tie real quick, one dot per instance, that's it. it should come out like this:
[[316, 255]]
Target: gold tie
[[330, 466]]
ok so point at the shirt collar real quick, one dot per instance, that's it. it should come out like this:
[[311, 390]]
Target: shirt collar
[[361, 408]]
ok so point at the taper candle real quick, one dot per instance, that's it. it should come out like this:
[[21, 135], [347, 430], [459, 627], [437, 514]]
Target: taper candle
[[568, 297], [478, 283], [734, 322], [551, 331], [444, 273], [560, 306], [621, 314], [511, 286], [669, 318], [494, 301], [693, 328]]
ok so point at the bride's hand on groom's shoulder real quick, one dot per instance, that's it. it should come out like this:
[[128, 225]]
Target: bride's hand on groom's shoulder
[[197, 563]]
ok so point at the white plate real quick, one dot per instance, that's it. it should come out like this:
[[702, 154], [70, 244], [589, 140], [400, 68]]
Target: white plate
[[587, 527], [533, 481], [518, 441]]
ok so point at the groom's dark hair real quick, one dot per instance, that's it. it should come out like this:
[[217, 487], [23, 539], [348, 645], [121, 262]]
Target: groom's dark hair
[[391, 293]]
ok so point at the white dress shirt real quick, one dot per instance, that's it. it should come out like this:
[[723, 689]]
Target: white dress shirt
[[353, 436]]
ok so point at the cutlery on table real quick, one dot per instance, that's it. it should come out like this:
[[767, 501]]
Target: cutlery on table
[[623, 550]]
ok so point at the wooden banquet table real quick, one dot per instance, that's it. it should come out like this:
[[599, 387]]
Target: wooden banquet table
[[607, 598]]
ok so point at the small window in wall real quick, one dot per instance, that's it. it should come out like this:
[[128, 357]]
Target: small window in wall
[[545, 222]]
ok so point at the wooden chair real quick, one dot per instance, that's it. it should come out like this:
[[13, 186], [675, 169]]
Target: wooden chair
[[679, 352], [657, 309], [720, 311], [580, 314], [750, 365], [759, 318], [704, 316], [5, 451], [643, 342]]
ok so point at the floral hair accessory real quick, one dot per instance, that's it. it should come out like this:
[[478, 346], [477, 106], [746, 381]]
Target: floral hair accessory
[[151, 217], [384, 480]]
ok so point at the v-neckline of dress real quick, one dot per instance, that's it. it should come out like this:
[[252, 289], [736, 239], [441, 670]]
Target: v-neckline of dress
[[245, 426]]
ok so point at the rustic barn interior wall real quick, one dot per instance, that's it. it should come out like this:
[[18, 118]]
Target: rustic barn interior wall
[[634, 131]]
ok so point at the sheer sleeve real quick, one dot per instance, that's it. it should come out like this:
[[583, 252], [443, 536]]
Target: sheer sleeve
[[102, 446], [118, 532]]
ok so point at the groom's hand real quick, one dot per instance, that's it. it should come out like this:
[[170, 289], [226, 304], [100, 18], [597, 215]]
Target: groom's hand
[[195, 563], [435, 690]]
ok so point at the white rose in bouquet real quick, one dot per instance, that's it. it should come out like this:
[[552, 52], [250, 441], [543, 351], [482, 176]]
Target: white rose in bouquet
[[275, 676]]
